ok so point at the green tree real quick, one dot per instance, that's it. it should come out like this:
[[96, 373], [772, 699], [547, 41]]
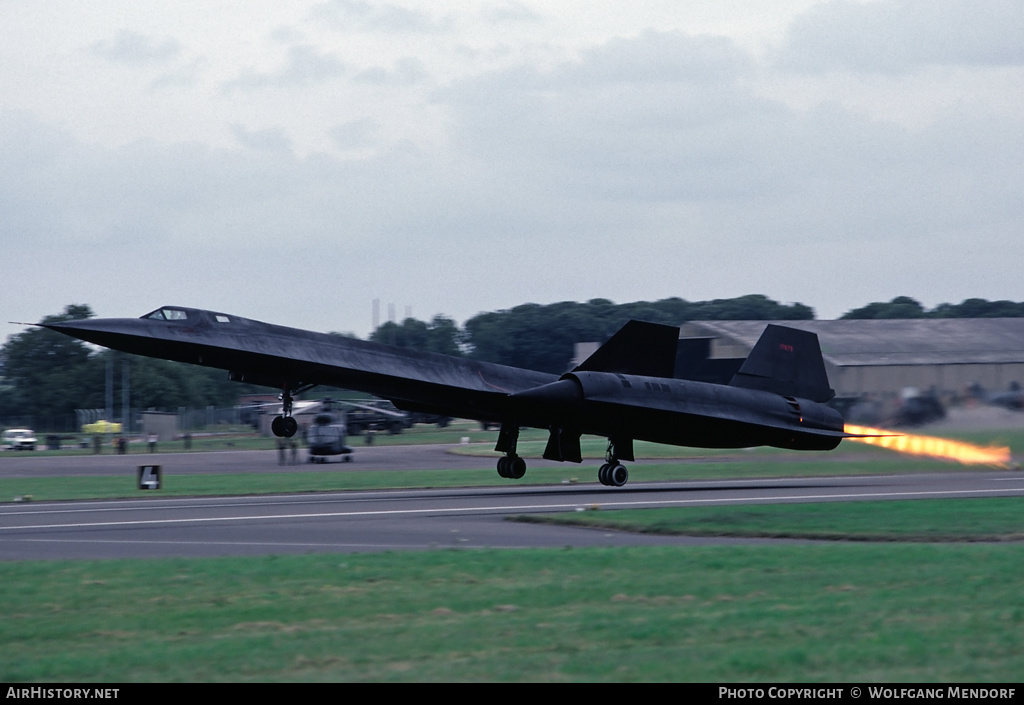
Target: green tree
[[441, 335], [50, 374], [166, 385], [979, 308], [543, 337], [906, 307], [899, 307]]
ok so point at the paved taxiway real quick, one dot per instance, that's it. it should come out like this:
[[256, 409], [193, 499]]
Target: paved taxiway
[[394, 520]]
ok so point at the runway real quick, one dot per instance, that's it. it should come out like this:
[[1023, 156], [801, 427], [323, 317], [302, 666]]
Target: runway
[[399, 519]]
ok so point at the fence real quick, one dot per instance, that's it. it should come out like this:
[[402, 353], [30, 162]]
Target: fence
[[188, 420]]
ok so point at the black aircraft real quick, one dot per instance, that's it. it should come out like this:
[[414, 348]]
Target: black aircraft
[[625, 391]]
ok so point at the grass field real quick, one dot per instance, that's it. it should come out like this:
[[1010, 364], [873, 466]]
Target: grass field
[[783, 613], [324, 480], [936, 520]]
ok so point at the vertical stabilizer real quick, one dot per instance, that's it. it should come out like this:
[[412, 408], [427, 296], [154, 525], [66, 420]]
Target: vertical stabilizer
[[786, 361], [638, 348]]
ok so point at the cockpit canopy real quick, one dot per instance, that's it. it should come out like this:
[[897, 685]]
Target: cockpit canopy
[[168, 314], [175, 313], [195, 316]]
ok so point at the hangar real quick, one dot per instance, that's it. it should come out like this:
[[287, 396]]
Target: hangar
[[883, 356]]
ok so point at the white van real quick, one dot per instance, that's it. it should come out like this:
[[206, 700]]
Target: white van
[[19, 439]]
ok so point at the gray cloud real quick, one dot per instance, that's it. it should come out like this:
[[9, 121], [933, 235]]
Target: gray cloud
[[656, 57], [660, 116], [654, 165], [272, 139], [379, 17], [506, 12], [406, 72], [355, 134], [304, 65], [893, 37], [718, 150], [129, 47]]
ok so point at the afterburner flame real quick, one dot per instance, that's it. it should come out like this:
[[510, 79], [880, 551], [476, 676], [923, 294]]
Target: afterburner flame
[[933, 447]]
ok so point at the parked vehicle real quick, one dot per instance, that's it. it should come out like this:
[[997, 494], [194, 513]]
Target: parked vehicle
[[19, 439]]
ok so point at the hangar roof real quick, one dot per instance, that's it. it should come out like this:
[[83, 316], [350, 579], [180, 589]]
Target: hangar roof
[[915, 341]]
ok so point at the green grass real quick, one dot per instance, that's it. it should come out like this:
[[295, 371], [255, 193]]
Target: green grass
[[987, 519], [111, 487], [776, 613], [340, 477]]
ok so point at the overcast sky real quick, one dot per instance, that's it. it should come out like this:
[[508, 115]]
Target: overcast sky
[[293, 160]]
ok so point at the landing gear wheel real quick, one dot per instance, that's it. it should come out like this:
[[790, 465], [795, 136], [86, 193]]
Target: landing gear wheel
[[613, 475], [289, 426], [511, 467], [517, 468], [284, 426]]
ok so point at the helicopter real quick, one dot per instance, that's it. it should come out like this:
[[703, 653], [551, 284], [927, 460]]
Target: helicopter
[[326, 434]]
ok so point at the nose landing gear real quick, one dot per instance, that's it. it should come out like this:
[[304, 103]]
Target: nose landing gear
[[285, 425]]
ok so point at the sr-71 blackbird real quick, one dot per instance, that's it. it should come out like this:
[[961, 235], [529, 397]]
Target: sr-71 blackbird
[[625, 391]]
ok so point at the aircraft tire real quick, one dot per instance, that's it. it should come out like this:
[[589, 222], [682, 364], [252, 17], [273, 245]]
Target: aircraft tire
[[289, 426], [618, 475], [602, 474], [516, 468]]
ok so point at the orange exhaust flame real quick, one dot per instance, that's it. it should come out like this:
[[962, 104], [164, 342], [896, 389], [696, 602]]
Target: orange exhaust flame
[[933, 447]]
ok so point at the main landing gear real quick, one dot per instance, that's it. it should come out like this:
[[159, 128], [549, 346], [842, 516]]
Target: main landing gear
[[612, 473], [510, 465]]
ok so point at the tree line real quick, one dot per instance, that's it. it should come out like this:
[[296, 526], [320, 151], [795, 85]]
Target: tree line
[[49, 375], [906, 307], [542, 337]]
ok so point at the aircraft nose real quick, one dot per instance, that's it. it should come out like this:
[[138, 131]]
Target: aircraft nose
[[106, 332], [78, 329]]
